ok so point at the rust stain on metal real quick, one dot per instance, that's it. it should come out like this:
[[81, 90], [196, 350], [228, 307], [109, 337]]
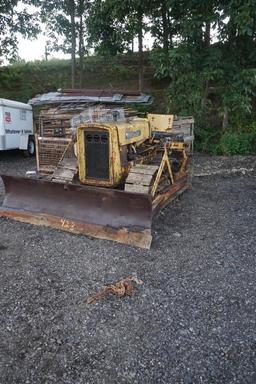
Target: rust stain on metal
[[76, 203], [169, 194], [98, 212], [141, 239]]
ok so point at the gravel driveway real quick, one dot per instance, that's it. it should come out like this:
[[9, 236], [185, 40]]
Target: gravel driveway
[[192, 321]]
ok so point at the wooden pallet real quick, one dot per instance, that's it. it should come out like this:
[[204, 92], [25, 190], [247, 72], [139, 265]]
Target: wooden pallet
[[65, 171], [140, 178]]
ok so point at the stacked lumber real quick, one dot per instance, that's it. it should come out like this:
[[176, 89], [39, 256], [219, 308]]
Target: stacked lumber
[[54, 122], [183, 125], [56, 126], [98, 114], [62, 121]]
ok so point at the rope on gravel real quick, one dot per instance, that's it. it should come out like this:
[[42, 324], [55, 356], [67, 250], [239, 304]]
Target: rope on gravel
[[124, 287]]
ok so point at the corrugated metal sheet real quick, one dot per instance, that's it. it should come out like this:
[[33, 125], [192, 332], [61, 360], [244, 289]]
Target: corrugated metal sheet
[[92, 96]]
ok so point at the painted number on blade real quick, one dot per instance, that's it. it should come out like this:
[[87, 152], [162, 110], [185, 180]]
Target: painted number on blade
[[8, 117], [67, 225]]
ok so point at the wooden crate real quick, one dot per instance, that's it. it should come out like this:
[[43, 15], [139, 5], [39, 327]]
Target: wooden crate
[[50, 150]]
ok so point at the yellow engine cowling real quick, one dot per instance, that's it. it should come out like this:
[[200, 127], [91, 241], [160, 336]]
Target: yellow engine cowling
[[102, 150], [162, 123]]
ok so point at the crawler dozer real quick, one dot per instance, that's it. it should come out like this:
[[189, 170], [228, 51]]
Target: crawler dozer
[[111, 180]]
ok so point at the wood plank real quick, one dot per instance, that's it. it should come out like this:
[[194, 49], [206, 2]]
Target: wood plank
[[69, 163], [182, 120], [134, 178], [63, 173], [60, 181], [60, 139], [180, 130], [145, 166], [136, 188], [143, 171]]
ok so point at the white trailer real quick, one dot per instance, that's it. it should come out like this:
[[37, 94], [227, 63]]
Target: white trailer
[[16, 126]]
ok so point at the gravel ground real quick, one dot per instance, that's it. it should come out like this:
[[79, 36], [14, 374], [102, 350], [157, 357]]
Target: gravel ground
[[192, 321]]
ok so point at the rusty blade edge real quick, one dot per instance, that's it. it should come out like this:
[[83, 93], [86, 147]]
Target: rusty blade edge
[[141, 239]]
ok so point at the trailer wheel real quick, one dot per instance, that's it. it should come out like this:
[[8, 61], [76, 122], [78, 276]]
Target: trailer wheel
[[31, 150]]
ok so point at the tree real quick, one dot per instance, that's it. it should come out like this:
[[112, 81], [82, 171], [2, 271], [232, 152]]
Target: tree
[[13, 21], [108, 30], [198, 66], [83, 6], [162, 27], [64, 21], [113, 24]]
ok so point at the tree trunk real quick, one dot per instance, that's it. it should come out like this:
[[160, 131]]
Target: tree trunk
[[207, 42], [81, 44], [73, 43], [165, 27], [207, 34], [170, 31], [225, 119], [140, 41], [205, 96]]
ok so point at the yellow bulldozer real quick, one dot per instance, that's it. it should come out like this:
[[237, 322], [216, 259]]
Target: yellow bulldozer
[[110, 181]]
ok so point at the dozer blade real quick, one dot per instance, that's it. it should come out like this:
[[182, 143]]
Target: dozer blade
[[99, 212]]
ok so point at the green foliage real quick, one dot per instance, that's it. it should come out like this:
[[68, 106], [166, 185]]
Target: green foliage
[[190, 74], [13, 22], [229, 142], [107, 33], [112, 24], [237, 143], [204, 52], [56, 15], [142, 110], [215, 81], [207, 139], [21, 81]]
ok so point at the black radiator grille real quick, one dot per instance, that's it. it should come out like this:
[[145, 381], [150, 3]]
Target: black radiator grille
[[97, 154]]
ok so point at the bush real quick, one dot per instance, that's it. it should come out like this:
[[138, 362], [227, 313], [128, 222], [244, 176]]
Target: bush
[[238, 143], [230, 142], [206, 139]]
